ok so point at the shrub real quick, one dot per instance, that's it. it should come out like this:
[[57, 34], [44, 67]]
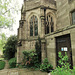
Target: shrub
[[45, 66], [2, 65], [64, 66], [30, 59], [61, 71], [12, 63], [63, 61], [10, 47], [38, 49]]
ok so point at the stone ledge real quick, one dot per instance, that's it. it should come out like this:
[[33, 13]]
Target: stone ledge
[[21, 72], [60, 30]]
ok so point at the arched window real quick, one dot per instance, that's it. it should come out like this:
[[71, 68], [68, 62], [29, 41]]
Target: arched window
[[49, 24], [52, 25], [33, 26]]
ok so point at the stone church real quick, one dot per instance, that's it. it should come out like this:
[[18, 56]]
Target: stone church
[[54, 22]]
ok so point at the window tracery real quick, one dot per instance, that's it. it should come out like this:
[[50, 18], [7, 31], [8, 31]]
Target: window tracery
[[49, 27], [33, 26]]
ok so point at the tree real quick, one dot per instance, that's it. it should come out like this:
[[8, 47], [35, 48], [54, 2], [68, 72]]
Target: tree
[[7, 7], [10, 47], [2, 40]]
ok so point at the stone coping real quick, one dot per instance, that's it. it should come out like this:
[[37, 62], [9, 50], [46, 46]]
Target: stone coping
[[60, 30], [17, 71]]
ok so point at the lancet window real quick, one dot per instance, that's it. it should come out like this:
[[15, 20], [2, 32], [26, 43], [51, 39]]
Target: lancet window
[[33, 26], [49, 27]]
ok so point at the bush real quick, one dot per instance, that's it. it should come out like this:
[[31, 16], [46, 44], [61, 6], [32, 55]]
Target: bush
[[38, 49], [62, 71], [12, 63], [10, 47], [30, 59], [63, 61], [2, 65], [45, 66], [64, 66]]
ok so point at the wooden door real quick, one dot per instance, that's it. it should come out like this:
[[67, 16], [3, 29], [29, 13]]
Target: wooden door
[[63, 44]]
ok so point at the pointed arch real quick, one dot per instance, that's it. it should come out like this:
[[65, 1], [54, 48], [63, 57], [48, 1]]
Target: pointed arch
[[49, 23], [33, 26]]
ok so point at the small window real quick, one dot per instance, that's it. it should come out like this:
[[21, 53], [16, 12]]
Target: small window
[[70, 1], [52, 27], [73, 17]]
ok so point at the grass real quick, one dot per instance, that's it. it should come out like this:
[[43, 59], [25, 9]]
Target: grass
[[2, 65], [1, 58]]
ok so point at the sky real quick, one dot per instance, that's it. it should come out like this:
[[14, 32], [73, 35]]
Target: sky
[[17, 17]]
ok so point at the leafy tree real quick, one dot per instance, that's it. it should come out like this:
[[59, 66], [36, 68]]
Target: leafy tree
[[7, 7], [3, 39], [10, 47]]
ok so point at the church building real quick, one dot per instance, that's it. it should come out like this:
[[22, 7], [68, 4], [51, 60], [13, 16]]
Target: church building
[[54, 22]]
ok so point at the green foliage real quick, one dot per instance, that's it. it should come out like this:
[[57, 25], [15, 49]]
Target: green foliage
[[64, 66], [2, 65], [38, 48], [45, 66], [62, 71], [1, 59], [3, 8], [12, 63], [2, 41], [30, 59], [7, 7], [10, 47], [63, 61]]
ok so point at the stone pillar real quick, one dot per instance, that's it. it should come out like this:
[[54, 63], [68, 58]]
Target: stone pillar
[[73, 45], [43, 49], [21, 36], [42, 23], [18, 54], [43, 43], [42, 27], [22, 29]]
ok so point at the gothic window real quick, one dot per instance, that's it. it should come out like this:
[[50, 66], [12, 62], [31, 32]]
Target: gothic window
[[49, 24], [33, 26], [52, 25], [70, 1]]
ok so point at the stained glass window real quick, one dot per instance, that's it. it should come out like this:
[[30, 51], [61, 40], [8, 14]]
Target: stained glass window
[[49, 24], [33, 26]]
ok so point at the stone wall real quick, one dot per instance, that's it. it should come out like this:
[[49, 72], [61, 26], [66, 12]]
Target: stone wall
[[51, 44], [21, 72], [64, 9]]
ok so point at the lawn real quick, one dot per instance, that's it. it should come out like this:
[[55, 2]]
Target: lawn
[[1, 58], [2, 65]]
